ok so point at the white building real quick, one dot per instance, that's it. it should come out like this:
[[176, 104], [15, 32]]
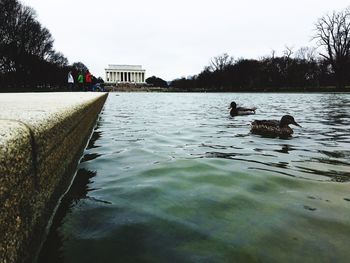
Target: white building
[[125, 74]]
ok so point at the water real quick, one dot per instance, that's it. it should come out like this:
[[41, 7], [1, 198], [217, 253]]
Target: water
[[173, 178]]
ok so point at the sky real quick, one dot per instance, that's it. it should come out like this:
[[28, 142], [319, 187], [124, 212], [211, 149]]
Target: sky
[[173, 39]]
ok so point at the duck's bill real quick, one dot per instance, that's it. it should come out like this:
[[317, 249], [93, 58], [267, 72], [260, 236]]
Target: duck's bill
[[296, 124]]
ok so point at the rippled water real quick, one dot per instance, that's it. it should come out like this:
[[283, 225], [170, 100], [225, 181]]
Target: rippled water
[[173, 178]]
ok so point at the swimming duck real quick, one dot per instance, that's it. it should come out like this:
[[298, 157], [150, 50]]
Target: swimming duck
[[234, 110], [274, 128]]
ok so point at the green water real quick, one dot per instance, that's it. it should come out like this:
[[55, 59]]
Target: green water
[[173, 178]]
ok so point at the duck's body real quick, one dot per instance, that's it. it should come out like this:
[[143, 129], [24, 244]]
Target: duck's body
[[237, 111], [274, 128]]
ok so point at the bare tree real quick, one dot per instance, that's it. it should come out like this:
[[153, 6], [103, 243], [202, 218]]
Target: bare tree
[[306, 54], [27, 57], [273, 54], [288, 52], [220, 62], [333, 34]]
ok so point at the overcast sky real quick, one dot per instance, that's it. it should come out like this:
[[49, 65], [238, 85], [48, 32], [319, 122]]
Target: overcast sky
[[172, 39]]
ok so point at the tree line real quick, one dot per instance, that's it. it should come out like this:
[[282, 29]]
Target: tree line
[[308, 68], [28, 61]]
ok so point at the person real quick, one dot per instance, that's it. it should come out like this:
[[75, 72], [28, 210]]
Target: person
[[88, 80], [70, 81], [81, 81], [98, 87]]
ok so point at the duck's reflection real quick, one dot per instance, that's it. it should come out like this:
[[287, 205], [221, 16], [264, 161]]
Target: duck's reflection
[[285, 149]]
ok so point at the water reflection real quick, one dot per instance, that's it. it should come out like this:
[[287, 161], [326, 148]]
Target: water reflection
[[81, 186], [51, 251], [336, 176], [171, 177], [89, 157], [285, 149], [95, 136], [336, 154], [335, 110]]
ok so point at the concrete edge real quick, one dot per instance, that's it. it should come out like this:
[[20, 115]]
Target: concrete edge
[[34, 176]]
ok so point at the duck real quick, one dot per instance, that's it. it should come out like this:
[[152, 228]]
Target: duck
[[235, 111], [274, 128]]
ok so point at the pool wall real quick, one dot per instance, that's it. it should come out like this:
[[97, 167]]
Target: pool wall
[[42, 136]]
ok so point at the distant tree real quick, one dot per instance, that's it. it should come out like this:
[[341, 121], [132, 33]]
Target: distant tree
[[100, 80], [308, 66], [58, 59], [273, 53], [248, 74], [182, 84], [333, 35], [219, 63], [288, 52], [27, 57], [306, 53], [80, 67], [156, 82]]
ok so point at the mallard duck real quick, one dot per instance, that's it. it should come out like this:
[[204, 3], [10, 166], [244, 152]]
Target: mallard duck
[[235, 111], [274, 128]]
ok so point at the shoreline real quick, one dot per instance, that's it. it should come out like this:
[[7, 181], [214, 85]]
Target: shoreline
[[172, 90]]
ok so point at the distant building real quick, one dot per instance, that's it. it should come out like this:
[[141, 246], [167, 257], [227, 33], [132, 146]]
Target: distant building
[[125, 74]]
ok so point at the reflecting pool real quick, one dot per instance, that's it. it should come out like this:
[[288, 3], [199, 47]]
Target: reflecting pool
[[171, 177]]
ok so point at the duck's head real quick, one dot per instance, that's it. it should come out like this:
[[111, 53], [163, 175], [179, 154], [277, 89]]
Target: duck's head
[[233, 105], [286, 120]]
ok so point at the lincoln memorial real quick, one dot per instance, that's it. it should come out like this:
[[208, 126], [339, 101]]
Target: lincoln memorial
[[125, 74]]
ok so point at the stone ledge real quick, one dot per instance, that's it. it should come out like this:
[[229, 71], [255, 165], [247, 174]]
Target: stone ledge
[[42, 136]]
